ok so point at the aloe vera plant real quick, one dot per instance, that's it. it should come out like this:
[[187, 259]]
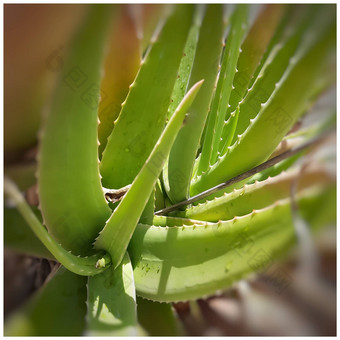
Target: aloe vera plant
[[217, 93]]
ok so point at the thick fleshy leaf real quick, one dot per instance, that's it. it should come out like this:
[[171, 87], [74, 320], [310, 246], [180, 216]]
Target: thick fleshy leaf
[[57, 309], [112, 302], [178, 171], [118, 230], [70, 192], [273, 68], [182, 81], [188, 262], [79, 265], [278, 114], [229, 129], [218, 111], [145, 109], [253, 47], [257, 195]]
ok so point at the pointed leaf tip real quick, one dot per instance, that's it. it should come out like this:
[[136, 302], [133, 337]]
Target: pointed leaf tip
[[119, 229]]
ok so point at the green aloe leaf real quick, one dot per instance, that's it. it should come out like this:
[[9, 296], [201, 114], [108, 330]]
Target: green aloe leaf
[[238, 26], [91, 265], [118, 230], [145, 108], [178, 171], [291, 17], [58, 308], [273, 68], [312, 126], [230, 128], [183, 75], [188, 262], [253, 47], [277, 115], [256, 196], [171, 221], [260, 176], [159, 196], [148, 212], [259, 95], [71, 197], [112, 302]]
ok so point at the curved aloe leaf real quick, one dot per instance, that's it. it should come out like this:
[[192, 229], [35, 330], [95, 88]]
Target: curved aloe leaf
[[145, 108], [118, 230], [19, 236], [177, 173], [57, 309], [71, 198], [79, 265], [112, 302], [188, 262]]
